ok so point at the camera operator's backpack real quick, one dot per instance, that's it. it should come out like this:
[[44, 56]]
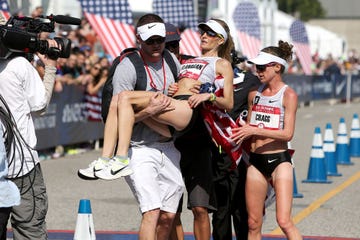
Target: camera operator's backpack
[[141, 79]]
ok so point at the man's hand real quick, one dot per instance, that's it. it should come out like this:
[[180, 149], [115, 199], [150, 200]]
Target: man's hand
[[159, 103]]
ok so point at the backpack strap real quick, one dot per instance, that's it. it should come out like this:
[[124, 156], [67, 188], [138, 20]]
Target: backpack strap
[[170, 61], [141, 78]]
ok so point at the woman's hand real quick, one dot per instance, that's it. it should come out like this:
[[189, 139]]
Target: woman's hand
[[173, 88], [241, 133], [196, 99]]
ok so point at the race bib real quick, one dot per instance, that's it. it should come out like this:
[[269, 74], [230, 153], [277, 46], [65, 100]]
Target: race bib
[[265, 117], [192, 68]]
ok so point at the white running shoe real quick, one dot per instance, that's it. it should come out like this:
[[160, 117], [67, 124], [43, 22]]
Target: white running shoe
[[115, 169], [89, 172]]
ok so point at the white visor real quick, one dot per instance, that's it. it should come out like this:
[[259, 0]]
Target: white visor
[[265, 58], [151, 29], [216, 27]]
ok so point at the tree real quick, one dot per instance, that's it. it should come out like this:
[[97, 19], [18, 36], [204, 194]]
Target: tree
[[303, 9]]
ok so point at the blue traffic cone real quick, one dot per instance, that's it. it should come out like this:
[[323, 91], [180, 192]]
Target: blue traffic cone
[[84, 223], [329, 151], [354, 146], [295, 190], [296, 194], [342, 147], [317, 167]]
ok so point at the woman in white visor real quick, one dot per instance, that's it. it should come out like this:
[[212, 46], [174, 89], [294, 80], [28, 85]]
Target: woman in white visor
[[270, 126]]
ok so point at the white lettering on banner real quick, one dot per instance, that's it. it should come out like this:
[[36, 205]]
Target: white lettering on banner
[[192, 68], [340, 87], [44, 122], [48, 120], [73, 113], [265, 117]]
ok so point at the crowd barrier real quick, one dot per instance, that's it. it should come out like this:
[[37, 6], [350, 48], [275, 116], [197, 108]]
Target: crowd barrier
[[312, 88], [64, 123]]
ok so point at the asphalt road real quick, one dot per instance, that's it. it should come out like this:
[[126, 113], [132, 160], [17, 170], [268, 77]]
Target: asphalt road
[[330, 209]]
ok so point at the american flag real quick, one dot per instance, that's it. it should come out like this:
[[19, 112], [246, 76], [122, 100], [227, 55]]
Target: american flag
[[302, 47], [113, 23], [181, 14], [4, 9], [247, 23]]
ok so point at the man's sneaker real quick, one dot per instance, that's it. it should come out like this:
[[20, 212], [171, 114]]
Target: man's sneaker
[[115, 169], [89, 172]]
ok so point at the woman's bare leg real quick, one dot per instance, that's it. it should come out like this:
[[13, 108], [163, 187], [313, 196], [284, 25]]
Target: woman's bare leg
[[130, 102], [255, 192], [111, 129], [283, 184]]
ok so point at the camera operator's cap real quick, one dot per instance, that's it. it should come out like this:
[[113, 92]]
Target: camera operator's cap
[[151, 29], [264, 58], [172, 33], [215, 26]]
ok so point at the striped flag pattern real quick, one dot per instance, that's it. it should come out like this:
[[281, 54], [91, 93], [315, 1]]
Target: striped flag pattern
[[113, 23], [247, 23], [4, 9], [300, 40], [181, 14]]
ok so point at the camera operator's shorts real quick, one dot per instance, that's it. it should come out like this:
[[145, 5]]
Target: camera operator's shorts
[[157, 181]]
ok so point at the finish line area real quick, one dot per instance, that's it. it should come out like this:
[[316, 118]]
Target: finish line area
[[123, 235]]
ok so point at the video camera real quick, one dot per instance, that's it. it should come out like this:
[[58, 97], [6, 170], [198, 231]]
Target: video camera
[[21, 35], [235, 58]]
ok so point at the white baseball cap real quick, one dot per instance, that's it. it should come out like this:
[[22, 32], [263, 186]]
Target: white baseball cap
[[151, 29], [215, 26]]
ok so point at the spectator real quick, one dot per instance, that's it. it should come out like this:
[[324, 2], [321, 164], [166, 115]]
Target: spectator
[[95, 81], [9, 193]]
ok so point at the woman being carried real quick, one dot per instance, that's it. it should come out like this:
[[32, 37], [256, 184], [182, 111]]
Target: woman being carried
[[183, 107]]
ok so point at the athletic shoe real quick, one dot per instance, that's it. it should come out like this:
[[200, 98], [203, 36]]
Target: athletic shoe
[[115, 169], [89, 172]]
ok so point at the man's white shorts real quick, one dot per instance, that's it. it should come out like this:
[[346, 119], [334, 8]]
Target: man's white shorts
[[157, 181]]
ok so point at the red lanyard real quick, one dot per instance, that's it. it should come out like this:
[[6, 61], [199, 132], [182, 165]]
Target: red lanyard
[[152, 84]]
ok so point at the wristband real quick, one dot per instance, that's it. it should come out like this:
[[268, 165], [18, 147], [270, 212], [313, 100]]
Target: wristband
[[212, 97]]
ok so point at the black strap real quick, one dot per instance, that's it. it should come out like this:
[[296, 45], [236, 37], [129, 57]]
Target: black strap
[[170, 61], [141, 79]]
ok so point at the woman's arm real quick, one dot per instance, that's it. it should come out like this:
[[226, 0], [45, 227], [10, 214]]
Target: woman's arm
[[285, 134], [224, 68]]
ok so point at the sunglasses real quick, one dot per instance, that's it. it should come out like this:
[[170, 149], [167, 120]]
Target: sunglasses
[[152, 41], [96, 68], [262, 68], [210, 33], [172, 44]]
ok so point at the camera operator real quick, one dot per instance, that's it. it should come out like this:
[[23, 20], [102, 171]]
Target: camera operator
[[26, 93]]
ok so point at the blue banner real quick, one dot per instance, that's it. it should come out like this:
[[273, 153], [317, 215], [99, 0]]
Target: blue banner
[[64, 122]]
